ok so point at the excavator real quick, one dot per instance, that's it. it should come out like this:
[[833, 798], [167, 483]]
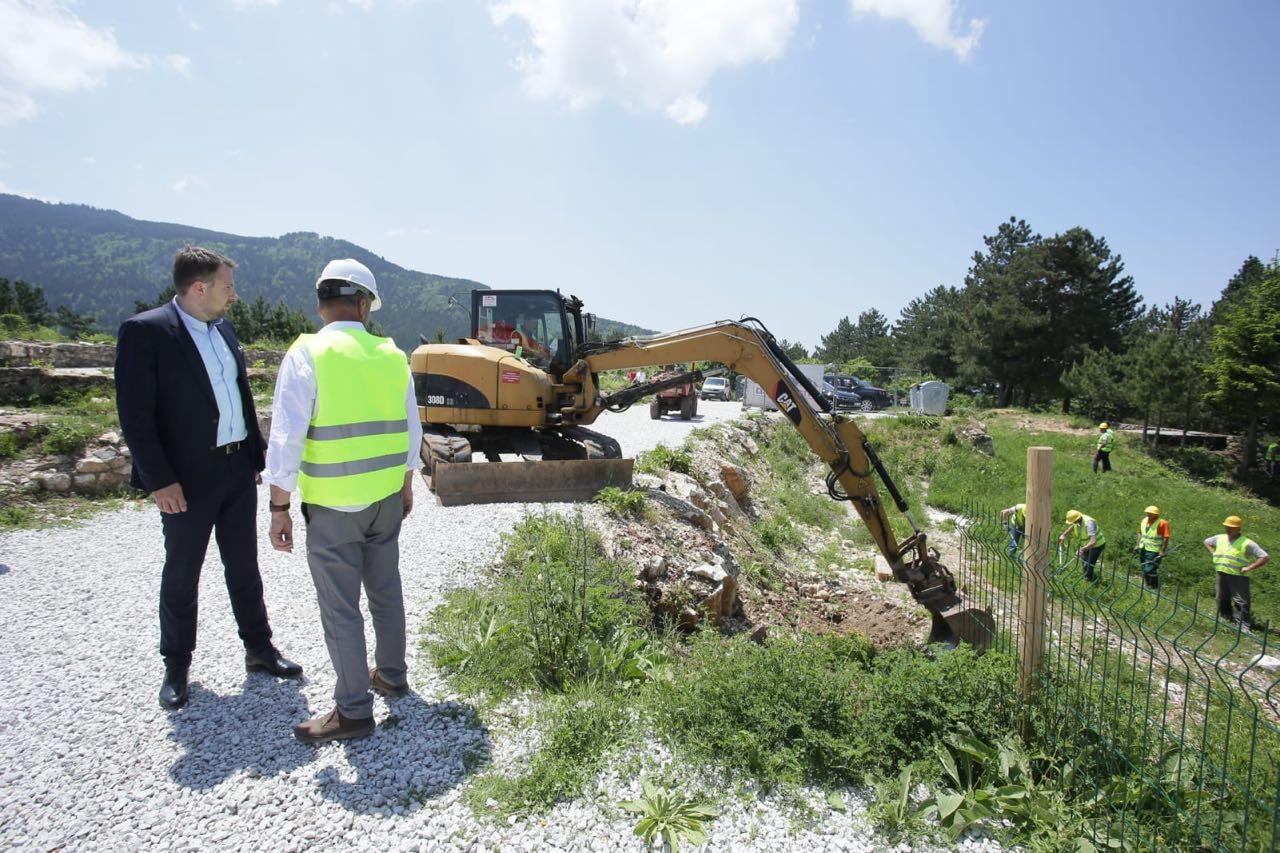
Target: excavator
[[526, 383]]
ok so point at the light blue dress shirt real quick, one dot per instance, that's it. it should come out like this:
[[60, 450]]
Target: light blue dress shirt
[[220, 363]]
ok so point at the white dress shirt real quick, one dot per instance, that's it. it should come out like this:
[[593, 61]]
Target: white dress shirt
[[295, 404], [221, 366]]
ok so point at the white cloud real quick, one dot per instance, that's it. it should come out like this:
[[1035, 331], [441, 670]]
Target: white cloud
[[179, 63], [89, 159], [936, 21], [648, 55], [45, 47], [184, 183]]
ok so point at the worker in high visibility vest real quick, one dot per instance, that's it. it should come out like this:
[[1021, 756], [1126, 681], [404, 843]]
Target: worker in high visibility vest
[[1235, 556], [1102, 450], [1270, 458], [1084, 530], [345, 432], [1015, 519], [1153, 544]]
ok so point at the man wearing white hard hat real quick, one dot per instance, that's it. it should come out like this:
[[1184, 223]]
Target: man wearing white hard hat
[[345, 433]]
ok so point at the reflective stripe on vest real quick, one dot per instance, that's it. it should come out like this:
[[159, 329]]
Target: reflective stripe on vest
[[1106, 440], [357, 444], [1151, 538], [1078, 529], [1229, 557]]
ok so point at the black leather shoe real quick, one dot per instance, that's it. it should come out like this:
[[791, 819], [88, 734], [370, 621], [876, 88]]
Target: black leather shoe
[[270, 660], [173, 693]]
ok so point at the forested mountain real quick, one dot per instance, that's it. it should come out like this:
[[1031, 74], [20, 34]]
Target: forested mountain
[[100, 262]]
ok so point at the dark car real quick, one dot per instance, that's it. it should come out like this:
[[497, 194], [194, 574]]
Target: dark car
[[869, 396], [840, 398]]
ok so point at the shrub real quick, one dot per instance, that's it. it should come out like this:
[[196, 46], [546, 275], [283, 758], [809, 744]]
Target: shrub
[[558, 614], [826, 708], [68, 437], [8, 444]]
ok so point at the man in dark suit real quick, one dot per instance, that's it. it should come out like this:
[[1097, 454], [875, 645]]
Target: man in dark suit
[[187, 414]]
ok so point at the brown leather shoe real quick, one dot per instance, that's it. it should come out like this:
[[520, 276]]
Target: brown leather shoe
[[380, 685], [332, 726]]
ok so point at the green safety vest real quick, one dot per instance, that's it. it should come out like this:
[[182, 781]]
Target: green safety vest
[[1020, 516], [1077, 529], [1106, 441], [357, 445], [1229, 557], [1272, 449], [1151, 538]]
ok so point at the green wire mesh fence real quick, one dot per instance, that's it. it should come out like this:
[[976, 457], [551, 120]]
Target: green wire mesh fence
[[1169, 712]]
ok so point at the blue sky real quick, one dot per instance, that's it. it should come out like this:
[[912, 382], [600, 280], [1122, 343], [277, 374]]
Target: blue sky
[[669, 161]]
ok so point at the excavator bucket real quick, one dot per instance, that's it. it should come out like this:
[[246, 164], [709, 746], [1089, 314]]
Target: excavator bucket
[[458, 484], [963, 623]]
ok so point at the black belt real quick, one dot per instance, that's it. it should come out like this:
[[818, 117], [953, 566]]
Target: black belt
[[228, 448]]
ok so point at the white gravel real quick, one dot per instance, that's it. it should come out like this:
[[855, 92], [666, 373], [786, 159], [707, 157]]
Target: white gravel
[[92, 762]]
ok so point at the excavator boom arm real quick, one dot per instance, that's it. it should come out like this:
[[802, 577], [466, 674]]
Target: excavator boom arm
[[748, 348]]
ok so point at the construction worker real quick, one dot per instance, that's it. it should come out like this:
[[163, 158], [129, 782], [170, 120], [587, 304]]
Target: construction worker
[[1015, 518], [1234, 557], [1081, 526], [345, 431], [1102, 452], [1270, 458], [1153, 544]]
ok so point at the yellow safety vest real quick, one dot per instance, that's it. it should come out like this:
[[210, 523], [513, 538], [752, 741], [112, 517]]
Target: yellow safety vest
[[1078, 529], [1020, 516], [1106, 441], [357, 445], [1151, 538], [1229, 557]]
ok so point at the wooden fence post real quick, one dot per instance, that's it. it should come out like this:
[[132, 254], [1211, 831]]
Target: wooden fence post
[[1035, 573]]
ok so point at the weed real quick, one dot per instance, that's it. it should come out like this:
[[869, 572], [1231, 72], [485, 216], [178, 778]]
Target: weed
[[581, 728], [778, 534], [663, 458], [672, 815], [8, 444], [624, 502], [68, 437]]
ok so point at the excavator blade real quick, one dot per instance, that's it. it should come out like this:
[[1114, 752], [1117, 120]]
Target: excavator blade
[[963, 623], [457, 484]]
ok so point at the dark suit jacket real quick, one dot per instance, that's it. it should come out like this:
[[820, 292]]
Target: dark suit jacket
[[167, 409]]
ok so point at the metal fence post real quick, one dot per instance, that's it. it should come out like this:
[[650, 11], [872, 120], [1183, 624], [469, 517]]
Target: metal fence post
[[1035, 574]]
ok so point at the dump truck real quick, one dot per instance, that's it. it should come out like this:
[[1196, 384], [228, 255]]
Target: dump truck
[[526, 383]]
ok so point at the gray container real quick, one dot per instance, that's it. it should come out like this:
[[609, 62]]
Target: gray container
[[930, 398]]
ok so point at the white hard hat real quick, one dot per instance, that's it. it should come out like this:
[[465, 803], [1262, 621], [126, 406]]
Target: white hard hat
[[349, 269]]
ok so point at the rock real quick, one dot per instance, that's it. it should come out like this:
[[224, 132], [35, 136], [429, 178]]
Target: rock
[[655, 568], [56, 481], [106, 454], [735, 481], [109, 437], [90, 465], [85, 482], [721, 601], [712, 573], [884, 572], [760, 634], [1267, 662]]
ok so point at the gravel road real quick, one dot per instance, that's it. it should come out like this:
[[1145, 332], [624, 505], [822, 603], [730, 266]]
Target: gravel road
[[92, 762]]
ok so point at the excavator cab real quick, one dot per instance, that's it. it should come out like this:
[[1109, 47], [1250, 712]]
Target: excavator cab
[[541, 326]]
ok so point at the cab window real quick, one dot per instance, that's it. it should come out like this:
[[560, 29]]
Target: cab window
[[529, 323]]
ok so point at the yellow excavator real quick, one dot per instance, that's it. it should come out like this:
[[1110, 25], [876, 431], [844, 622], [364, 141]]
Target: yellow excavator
[[525, 384]]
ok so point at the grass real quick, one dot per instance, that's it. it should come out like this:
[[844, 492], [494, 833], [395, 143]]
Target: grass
[[663, 458], [624, 503], [958, 476], [44, 509]]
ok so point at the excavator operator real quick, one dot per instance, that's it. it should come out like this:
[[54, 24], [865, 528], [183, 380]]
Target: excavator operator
[[526, 336]]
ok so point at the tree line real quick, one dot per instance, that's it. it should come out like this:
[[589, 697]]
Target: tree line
[[1056, 320]]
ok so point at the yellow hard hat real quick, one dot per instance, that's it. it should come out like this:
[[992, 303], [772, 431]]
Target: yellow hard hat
[[1232, 521], [1104, 425], [1153, 509], [1074, 515]]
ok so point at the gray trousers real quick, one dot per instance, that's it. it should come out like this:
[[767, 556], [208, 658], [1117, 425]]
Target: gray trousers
[[345, 550], [1233, 592]]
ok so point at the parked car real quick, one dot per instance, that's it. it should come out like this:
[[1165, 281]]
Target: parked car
[[714, 388], [869, 396], [840, 398]]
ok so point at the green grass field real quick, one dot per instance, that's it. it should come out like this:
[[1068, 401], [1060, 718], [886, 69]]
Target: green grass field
[[918, 450]]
